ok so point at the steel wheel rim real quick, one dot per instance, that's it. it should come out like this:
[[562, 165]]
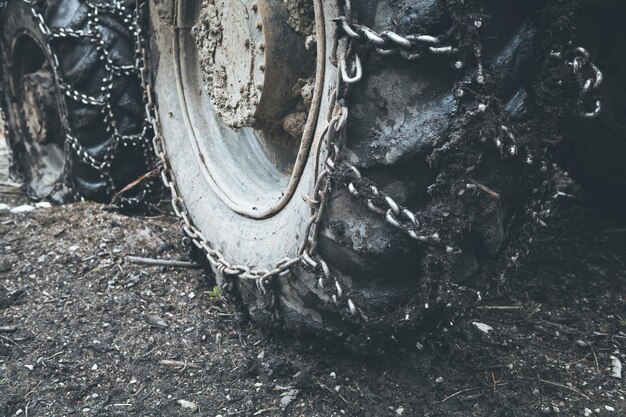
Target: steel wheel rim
[[257, 188]]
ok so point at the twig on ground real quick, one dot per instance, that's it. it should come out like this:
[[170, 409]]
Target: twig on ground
[[595, 358], [485, 189], [183, 365], [503, 308], [162, 262], [10, 184], [150, 174], [8, 329], [556, 384], [449, 397], [463, 391], [265, 410], [333, 391]]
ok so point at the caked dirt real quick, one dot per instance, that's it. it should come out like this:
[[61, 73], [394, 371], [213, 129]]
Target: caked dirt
[[84, 332]]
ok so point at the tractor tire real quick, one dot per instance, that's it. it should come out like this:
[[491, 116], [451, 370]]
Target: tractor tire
[[73, 100], [458, 140]]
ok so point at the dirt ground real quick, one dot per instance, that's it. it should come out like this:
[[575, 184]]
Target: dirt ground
[[84, 332]]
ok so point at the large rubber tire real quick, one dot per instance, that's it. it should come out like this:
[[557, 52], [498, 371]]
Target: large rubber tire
[[82, 67], [595, 151], [410, 133]]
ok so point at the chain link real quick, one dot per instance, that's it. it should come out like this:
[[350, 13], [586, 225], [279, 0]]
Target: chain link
[[410, 47], [589, 78]]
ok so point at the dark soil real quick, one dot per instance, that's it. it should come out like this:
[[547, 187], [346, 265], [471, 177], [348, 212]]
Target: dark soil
[[84, 333]]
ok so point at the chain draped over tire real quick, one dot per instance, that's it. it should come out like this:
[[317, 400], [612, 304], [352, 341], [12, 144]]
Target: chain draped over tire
[[378, 201], [337, 172]]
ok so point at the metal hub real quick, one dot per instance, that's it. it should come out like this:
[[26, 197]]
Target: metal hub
[[39, 104], [251, 61], [249, 79]]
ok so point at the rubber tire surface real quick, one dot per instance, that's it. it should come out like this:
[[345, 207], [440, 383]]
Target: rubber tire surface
[[409, 133], [81, 67]]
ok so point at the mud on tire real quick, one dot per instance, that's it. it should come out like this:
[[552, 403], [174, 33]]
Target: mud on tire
[[87, 136]]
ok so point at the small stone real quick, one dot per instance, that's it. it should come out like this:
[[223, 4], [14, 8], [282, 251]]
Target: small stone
[[4, 207], [261, 355], [94, 367], [485, 328], [419, 346], [609, 408], [191, 295], [43, 205], [287, 397], [587, 412], [188, 405], [439, 380], [22, 209], [156, 321], [616, 367], [73, 248], [333, 375], [399, 411], [29, 367], [310, 42]]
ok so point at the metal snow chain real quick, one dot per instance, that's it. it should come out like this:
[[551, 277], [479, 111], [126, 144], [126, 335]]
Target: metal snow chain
[[410, 47], [394, 214], [386, 43], [589, 77], [72, 144]]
